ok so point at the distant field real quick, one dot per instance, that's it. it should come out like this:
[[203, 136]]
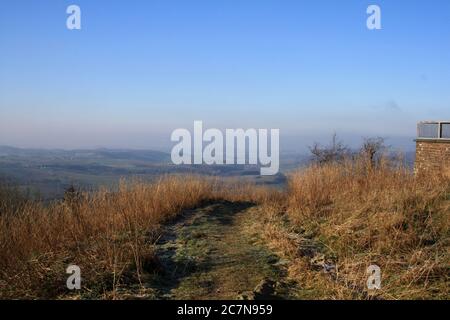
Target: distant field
[[46, 174]]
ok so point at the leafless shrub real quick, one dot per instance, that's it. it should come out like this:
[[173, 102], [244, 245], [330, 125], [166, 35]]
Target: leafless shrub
[[336, 151], [372, 150]]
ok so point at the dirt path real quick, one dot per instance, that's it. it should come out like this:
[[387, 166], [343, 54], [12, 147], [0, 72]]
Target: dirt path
[[214, 252]]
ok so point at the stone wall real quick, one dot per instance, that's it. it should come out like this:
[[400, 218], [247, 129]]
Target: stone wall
[[432, 155]]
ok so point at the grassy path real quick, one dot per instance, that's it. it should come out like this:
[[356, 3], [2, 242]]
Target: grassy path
[[214, 252]]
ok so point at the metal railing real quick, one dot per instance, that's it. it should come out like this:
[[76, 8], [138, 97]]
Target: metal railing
[[433, 130]]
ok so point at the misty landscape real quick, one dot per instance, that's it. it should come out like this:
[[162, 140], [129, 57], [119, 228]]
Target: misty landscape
[[46, 173], [253, 150]]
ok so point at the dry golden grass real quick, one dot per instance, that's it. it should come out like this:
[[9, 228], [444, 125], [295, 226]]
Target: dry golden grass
[[108, 235], [383, 215], [357, 214]]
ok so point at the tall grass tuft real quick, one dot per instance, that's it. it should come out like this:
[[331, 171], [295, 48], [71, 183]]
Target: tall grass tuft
[[381, 215]]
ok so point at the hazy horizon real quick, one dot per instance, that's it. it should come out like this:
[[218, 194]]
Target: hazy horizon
[[134, 73], [289, 144]]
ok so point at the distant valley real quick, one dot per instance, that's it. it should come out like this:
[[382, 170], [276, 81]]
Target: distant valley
[[47, 173]]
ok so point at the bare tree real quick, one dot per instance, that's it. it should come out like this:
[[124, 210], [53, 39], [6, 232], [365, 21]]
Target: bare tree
[[335, 152], [372, 149]]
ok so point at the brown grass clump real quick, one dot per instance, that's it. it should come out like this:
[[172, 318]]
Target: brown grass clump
[[381, 215], [108, 235]]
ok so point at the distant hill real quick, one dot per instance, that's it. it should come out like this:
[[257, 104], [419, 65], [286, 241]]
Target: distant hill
[[140, 155]]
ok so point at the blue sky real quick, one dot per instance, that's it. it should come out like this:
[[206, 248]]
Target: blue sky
[[139, 69]]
